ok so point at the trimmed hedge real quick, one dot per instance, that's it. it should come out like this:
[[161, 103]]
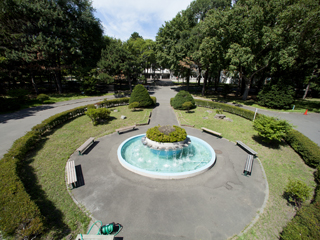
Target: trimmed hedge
[[307, 149], [178, 135], [227, 108], [20, 217], [141, 95], [114, 102], [180, 98], [154, 99]]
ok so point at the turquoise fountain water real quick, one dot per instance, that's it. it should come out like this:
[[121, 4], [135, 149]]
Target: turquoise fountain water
[[188, 161]]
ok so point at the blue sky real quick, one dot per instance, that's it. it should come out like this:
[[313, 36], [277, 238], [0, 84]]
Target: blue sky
[[123, 17]]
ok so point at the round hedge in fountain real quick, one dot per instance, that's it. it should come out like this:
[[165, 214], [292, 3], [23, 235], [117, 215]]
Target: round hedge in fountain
[[166, 134], [140, 94], [181, 98]]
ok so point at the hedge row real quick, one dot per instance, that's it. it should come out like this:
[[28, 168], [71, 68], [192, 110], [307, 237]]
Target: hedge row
[[307, 149], [19, 215], [227, 108], [114, 102]]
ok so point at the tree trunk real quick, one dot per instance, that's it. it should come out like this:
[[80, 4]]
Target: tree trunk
[[306, 91], [57, 75], [188, 79], [205, 83], [247, 89], [199, 76], [129, 80], [34, 83]]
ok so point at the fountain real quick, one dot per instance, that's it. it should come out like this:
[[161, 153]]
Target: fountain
[[166, 160]]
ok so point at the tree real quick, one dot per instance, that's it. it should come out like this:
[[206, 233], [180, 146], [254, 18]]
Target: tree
[[297, 192], [140, 95], [180, 98]]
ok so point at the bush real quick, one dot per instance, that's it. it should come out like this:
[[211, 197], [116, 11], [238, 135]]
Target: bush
[[20, 94], [276, 96], [271, 129], [219, 111], [154, 99], [180, 98], [297, 192], [306, 223], [42, 97], [9, 104], [141, 95], [156, 135], [114, 102], [98, 115], [133, 105], [307, 149], [187, 106]]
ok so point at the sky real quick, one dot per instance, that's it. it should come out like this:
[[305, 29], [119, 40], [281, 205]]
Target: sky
[[123, 17]]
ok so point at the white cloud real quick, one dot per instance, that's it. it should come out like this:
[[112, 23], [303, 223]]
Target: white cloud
[[123, 17]]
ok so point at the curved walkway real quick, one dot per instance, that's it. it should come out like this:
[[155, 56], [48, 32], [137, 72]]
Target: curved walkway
[[214, 205]]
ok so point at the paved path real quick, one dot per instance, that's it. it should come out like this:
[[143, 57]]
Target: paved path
[[214, 205], [15, 125]]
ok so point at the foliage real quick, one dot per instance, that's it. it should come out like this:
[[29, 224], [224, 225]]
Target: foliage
[[141, 95], [297, 192], [307, 149], [180, 98], [98, 115], [178, 135], [154, 99], [187, 106], [115, 102], [8, 104], [219, 111], [276, 96], [17, 209], [228, 108], [89, 86], [271, 129], [133, 105], [42, 97], [20, 94]]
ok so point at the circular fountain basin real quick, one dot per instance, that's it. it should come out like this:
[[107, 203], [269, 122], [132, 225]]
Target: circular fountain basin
[[189, 161]]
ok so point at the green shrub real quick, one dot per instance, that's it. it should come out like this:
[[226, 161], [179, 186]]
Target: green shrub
[[133, 105], [42, 97], [276, 96], [187, 106], [154, 99], [115, 102], [98, 115], [219, 111], [141, 95], [307, 149], [271, 129], [306, 223], [155, 134], [180, 98], [20, 94], [297, 192], [317, 175], [9, 104]]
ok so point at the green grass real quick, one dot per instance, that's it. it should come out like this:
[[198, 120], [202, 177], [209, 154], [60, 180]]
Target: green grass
[[45, 170], [280, 163]]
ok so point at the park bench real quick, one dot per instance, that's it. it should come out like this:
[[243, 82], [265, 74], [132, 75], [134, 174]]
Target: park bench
[[124, 129], [211, 131], [254, 153], [85, 146], [248, 166], [71, 174]]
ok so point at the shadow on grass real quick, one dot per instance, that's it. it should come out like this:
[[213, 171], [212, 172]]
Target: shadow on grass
[[53, 216], [272, 144]]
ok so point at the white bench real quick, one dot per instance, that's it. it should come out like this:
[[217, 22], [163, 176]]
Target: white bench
[[248, 166], [85, 146], [71, 174], [124, 129], [254, 153], [211, 131]]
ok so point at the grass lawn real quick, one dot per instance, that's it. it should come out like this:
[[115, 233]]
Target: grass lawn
[[44, 168], [313, 105], [280, 163]]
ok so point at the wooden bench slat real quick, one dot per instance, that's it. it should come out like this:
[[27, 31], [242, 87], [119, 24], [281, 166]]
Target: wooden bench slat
[[210, 131], [71, 173], [125, 129], [248, 166], [85, 146], [247, 148]]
